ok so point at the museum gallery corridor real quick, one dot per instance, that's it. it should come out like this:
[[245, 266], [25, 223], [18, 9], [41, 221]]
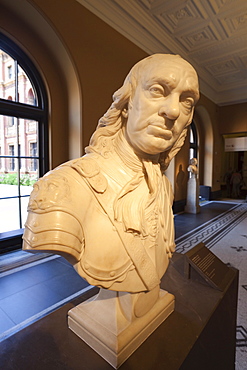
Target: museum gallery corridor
[[32, 287]]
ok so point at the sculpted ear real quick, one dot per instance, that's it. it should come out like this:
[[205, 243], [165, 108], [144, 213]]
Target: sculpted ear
[[125, 113]]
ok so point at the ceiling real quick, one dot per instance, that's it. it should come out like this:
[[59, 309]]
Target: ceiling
[[210, 34]]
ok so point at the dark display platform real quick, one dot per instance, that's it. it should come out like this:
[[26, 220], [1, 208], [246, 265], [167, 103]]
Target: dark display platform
[[199, 334]]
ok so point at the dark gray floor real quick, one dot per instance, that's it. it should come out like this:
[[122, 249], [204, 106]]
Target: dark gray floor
[[29, 294], [186, 222]]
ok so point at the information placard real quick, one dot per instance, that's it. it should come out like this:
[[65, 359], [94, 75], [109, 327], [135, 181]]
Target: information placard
[[208, 265]]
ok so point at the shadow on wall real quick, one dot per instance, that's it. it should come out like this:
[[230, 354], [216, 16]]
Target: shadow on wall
[[181, 183]]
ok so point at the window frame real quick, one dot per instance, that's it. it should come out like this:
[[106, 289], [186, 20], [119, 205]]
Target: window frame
[[13, 239], [194, 144]]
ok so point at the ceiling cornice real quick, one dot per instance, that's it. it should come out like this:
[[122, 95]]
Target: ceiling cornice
[[140, 22]]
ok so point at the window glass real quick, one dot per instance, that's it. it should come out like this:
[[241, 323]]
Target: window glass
[[9, 178], [191, 135], [193, 141], [9, 218], [192, 154], [26, 92], [23, 205], [19, 163], [15, 83], [7, 77], [23, 135]]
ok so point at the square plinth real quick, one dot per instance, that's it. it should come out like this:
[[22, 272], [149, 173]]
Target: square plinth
[[107, 335]]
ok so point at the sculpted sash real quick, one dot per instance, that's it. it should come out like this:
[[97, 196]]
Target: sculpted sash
[[131, 242]]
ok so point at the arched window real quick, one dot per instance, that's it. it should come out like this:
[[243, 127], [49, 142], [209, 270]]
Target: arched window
[[193, 141], [23, 138], [30, 97]]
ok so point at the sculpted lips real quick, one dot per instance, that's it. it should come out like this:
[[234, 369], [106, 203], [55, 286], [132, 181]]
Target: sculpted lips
[[157, 130]]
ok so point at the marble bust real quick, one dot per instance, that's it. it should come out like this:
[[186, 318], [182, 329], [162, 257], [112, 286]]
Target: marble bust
[[192, 168], [110, 212]]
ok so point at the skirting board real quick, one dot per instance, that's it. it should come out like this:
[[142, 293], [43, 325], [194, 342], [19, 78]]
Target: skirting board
[[114, 347]]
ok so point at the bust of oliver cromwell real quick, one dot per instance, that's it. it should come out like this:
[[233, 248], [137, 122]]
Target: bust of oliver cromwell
[[110, 212]]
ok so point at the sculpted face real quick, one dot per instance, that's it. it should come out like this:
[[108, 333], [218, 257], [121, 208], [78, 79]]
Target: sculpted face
[[162, 105], [48, 191]]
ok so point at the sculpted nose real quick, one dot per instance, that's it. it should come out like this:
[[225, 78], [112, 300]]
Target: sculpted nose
[[170, 108], [41, 198]]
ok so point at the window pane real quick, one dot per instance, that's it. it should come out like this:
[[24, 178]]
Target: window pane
[[6, 188], [28, 147], [192, 153], [20, 153], [24, 204], [192, 140], [26, 93], [7, 77], [9, 214], [31, 128], [9, 178], [27, 181], [8, 140]]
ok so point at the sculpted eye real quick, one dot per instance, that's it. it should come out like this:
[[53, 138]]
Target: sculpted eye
[[157, 90], [52, 186], [188, 103]]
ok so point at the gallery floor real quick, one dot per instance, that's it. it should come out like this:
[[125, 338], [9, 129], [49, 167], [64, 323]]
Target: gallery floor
[[31, 288]]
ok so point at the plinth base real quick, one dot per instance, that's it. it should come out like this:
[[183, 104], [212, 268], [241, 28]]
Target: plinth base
[[104, 326]]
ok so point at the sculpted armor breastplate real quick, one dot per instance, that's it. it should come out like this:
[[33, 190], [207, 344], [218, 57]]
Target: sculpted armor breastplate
[[71, 213]]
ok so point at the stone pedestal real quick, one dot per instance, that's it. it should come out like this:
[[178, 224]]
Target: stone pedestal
[[192, 204], [110, 324]]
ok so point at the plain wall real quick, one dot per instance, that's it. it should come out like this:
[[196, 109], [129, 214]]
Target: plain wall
[[233, 119]]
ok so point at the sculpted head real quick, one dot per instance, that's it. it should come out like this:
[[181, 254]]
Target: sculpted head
[[49, 191], [153, 107], [193, 161]]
